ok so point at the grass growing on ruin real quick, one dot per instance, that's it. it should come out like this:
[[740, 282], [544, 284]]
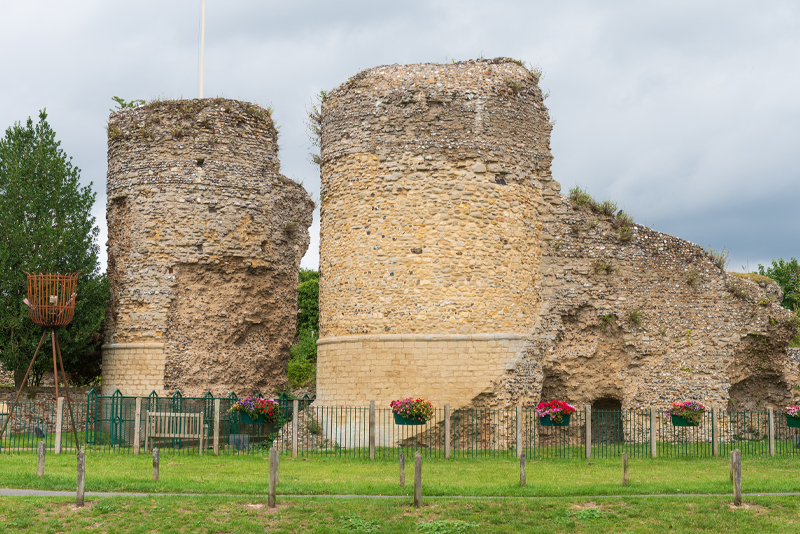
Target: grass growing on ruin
[[247, 475], [201, 515]]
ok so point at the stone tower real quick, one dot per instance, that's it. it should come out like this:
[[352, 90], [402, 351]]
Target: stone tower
[[205, 238], [433, 185]]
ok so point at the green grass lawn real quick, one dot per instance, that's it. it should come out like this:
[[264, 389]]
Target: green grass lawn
[[247, 475], [206, 515]]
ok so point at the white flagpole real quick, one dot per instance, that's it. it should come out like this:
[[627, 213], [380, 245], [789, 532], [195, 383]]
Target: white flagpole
[[202, 43]]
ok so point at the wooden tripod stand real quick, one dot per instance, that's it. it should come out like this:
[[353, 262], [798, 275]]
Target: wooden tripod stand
[[51, 308]]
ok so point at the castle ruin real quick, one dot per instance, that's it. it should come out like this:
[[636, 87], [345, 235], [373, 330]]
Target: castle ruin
[[204, 246], [452, 268]]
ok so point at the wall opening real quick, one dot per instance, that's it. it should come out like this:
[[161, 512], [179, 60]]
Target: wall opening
[[607, 421]]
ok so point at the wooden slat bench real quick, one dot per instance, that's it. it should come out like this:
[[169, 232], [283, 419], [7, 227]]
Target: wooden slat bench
[[175, 426]]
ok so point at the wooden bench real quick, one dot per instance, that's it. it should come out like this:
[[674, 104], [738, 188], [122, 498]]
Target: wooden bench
[[164, 425]]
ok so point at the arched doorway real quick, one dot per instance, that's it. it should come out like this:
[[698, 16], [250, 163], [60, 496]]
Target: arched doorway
[[607, 421]]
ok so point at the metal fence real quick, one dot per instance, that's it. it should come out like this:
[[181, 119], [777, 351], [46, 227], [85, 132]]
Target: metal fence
[[118, 424]]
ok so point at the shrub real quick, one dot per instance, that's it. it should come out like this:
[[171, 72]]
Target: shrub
[[602, 266], [581, 197], [609, 207], [302, 368], [635, 317], [692, 277], [787, 275], [607, 319], [718, 258]]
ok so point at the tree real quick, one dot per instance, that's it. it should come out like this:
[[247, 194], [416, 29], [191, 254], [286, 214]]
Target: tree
[[47, 226], [787, 274]]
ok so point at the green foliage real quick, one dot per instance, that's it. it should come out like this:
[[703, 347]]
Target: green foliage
[[314, 124], [692, 277], [718, 258], [308, 301], [581, 197], [787, 275], [635, 317], [354, 523], [302, 368], [607, 319], [445, 526], [602, 266], [122, 104], [47, 226]]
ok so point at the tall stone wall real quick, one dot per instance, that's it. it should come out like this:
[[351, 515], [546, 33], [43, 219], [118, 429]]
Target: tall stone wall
[[648, 320], [433, 179], [204, 245], [452, 268]]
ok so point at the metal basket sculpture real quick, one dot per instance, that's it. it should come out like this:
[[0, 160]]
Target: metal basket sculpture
[[51, 298], [51, 305]]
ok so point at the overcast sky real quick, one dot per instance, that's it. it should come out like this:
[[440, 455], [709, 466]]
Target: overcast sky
[[685, 113]]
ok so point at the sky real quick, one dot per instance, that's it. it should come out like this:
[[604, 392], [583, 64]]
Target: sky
[[687, 114]]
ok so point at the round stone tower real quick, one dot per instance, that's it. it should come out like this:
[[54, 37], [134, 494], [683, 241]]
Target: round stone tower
[[432, 181], [205, 238]]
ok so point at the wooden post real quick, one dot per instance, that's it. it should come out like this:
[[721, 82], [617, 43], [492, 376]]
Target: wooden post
[[418, 479], [653, 433], [737, 477], [402, 469], [588, 432], [771, 432], [273, 476], [59, 420], [216, 427], [371, 430], [40, 467], [519, 432], [81, 478], [730, 464], [715, 431], [446, 431], [155, 464], [277, 467], [624, 468], [137, 425], [295, 426], [523, 466]]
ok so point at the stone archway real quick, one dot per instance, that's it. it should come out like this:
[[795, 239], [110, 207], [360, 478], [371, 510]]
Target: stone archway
[[607, 420]]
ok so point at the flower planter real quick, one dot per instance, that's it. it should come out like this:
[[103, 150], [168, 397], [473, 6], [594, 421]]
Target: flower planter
[[677, 420], [245, 418], [546, 421], [792, 422], [400, 420]]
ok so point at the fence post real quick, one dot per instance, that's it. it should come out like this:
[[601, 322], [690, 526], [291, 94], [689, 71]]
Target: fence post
[[81, 478], [40, 467], [730, 463], [523, 465], [653, 436], [59, 420], [273, 476], [137, 424], [771, 432], [295, 426], [715, 431], [624, 468], [155, 464], [737, 477], [372, 430], [446, 431], [519, 432], [588, 432], [216, 427], [402, 469], [418, 479]]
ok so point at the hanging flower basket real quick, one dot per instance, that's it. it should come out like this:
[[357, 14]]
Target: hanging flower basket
[[677, 420], [554, 413], [411, 411], [793, 416], [400, 420], [686, 413], [256, 411], [244, 417], [546, 421]]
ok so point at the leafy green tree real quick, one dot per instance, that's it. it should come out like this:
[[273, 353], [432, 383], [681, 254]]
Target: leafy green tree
[[47, 226], [787, 274], [303, 363], [308, 301]]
